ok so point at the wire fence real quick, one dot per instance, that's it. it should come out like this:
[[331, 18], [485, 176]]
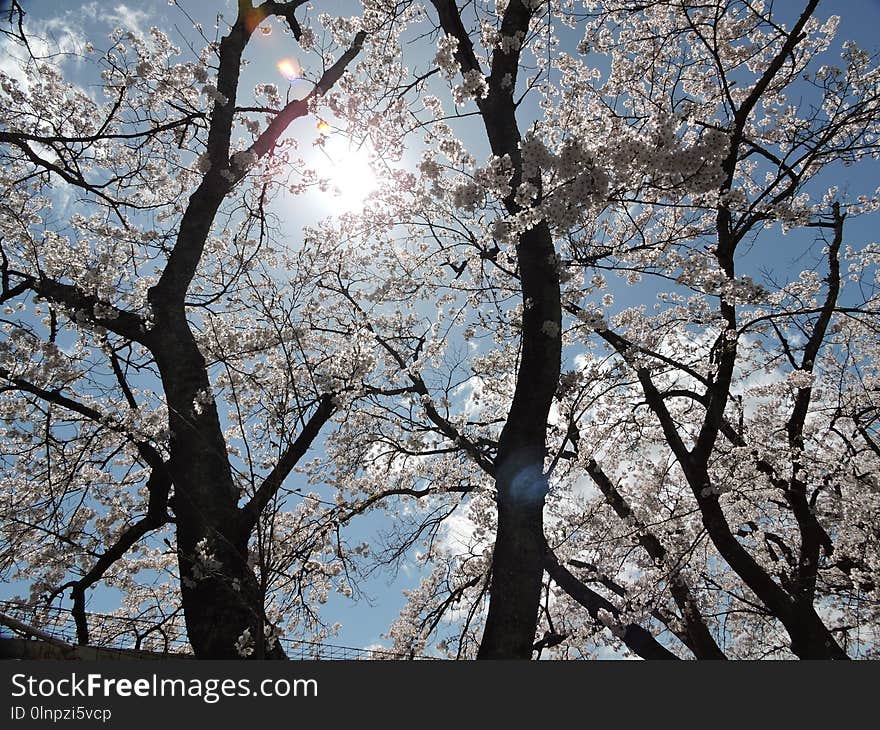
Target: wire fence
[[165, 636]]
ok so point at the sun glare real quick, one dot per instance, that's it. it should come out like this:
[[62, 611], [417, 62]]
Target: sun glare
[[289, 68], [350, 173]]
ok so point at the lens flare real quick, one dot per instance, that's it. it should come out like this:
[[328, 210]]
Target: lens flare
[[289, 68]]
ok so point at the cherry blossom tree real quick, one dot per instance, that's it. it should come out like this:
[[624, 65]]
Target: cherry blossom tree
[[128, 320], [670, 161], [561, 351]]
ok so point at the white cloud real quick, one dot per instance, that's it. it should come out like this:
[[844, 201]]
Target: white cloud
[[128, 18], [457, 533], [51, 41]]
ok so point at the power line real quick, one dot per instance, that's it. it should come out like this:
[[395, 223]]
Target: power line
[[121, 632]]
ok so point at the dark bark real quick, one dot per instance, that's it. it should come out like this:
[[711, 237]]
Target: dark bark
[[158, 487], [225, 599], [220, 593], [814, 538], [810, 638], [699, 639], [517, 564], [517, 569], [221, 599], [251, 512], [637, 639]]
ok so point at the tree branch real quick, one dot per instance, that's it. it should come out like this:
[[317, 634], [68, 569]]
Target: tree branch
[[251, 511], [636, 638]]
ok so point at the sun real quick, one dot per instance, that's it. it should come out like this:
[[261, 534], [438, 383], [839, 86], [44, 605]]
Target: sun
[[350, 172], [289, 68]]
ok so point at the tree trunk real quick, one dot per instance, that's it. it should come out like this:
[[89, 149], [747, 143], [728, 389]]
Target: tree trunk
[[517, 563], [220, 593]]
